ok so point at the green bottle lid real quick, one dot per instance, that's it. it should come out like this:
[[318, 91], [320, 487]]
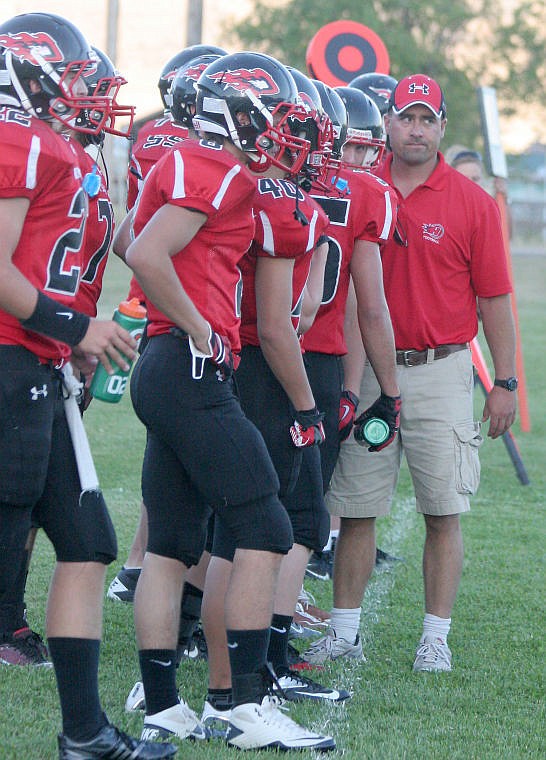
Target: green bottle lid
[[376, 431]]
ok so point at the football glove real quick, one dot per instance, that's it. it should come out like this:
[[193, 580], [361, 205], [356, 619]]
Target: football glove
[[386, 408], [219, 352], [308, 429], [347, 411]]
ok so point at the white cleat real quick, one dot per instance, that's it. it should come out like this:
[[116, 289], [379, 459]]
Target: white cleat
[[254, 726]]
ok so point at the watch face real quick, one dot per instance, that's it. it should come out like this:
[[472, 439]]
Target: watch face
[[511, 383]]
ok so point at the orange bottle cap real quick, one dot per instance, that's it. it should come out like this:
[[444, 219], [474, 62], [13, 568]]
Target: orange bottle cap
[[132, 308]]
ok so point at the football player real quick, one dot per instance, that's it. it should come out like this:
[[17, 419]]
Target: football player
[[272, 384], [43, 211], [362, 213], [193, 224]]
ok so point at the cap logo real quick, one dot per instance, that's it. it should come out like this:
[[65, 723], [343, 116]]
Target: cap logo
[[257, 81], [26, 46], [425, 89]]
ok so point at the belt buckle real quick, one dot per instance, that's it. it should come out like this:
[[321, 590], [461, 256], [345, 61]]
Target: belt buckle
[[405, 356]]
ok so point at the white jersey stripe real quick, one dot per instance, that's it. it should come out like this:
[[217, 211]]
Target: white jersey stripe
[[32, 163], [311, 236], [269, 242], [218, 198], [388, 217], [179, 189]]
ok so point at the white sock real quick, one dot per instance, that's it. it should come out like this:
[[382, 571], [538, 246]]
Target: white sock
[[333, 534], [346, 623], [436, 626]]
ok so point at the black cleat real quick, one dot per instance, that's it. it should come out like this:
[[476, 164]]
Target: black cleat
[[112, 744]]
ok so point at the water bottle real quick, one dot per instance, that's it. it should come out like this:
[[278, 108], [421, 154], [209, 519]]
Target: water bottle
[[373, 432], [132, 316]]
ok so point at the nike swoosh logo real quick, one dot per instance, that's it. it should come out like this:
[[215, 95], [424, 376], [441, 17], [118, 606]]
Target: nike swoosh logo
[[67, 314], [163, 664], [233, 646], [346, 411], [278, 630]]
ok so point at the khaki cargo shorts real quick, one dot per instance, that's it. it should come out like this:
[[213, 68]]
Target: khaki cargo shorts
[[438, 437]]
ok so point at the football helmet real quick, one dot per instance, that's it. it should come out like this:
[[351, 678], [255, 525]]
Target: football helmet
[[335, 108], [316, 126], [364, 125], [249, 99], [169, 70], [378, 87], [104, 81], [183, 88], [43, 58]]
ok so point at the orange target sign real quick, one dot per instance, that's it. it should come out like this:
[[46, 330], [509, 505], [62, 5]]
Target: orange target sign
[[343, 50]]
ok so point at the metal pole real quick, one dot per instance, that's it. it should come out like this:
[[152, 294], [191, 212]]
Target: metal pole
[[112, 29], [194, 22]]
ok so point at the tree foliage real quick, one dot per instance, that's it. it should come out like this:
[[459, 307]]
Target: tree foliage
[[462, 43]]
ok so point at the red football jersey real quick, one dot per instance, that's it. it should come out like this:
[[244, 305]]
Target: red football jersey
[[203, 176], [37, 164], [364, 210], [280, 235], [448, 250], [153, 139], [99, 231]]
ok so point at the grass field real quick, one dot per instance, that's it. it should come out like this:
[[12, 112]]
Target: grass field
[[490, 706]]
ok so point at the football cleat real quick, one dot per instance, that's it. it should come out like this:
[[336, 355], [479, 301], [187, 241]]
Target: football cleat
[[256, 726], [215, 721], [178, 721], [122, 588], [295, 688], [24, 647], [112, 744], [136, 700]]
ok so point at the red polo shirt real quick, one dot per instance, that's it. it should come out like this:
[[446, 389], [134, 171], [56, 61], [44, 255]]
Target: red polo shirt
[[448, 250]]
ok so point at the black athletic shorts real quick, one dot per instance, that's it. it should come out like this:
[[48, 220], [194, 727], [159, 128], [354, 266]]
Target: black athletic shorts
[[201, 452], [38, 471]]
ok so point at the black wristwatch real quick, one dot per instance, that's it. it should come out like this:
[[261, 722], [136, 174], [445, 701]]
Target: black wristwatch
[[510, 384]]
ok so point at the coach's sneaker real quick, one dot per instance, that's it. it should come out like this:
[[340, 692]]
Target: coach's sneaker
[[295, 688], [112, 744], [215, 721], [433, 656], [256, 726], [178, 720], [330, 647], [24, 647], [136, 700], [122, 588]]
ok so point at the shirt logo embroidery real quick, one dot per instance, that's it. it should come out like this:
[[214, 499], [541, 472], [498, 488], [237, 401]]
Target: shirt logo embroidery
[[433, 232]]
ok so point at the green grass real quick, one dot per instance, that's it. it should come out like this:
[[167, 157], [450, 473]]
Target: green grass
[[490, 706]]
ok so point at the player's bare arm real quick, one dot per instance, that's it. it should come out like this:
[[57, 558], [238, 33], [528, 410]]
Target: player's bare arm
[[373, 314], [123, 236], [278, 339], [354, 359], [314, 288]]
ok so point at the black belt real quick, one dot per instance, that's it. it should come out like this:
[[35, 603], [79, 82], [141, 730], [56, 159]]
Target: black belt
[[413, 358]]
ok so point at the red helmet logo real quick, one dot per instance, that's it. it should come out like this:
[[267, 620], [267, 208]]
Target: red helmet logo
[[26, 46], [257, 81], [169, 76], [194, 72]]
